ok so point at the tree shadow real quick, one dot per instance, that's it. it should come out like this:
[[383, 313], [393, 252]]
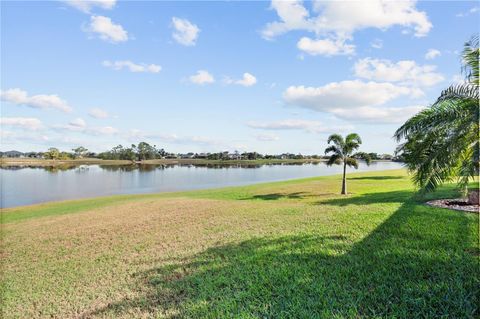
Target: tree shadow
[[277, 196], [282, 196], [375, 178], [414, 265], [369, 198], [402, 196]]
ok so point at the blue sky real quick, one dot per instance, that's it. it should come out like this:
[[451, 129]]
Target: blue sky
[[262, 76]]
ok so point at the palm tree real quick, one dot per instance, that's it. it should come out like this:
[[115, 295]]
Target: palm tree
[[342, 150], [441, 143]]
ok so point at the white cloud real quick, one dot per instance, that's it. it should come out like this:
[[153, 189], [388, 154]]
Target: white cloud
[[334, 22], [87, 5], [267, 137], [103, 130], [469, 12], [202, 77], [247, 80], [98, 113], [78, 122], [79, 125], [378, 115], [325, 47], [346, 94], [186, 33], [376, 44], [106, 29], [132, 67], [432, 54], [41, 101], [293, 16], [18, 138], [297, 124], [342, 18], [406, 72], [136, 135], [27, 123]]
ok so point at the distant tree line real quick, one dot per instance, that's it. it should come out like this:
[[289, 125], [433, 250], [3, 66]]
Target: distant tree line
[[145, 151], [141, 152]]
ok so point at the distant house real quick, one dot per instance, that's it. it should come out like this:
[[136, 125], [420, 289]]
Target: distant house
[[234, 156], [386, 157], [187, 156], [12, 154], [202, 155], [33, 155]]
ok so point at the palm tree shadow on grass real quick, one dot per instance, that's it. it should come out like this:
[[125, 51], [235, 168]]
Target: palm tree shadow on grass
[[276, 196], [376, 178], [391, 197], [279, 196], [415, 264]]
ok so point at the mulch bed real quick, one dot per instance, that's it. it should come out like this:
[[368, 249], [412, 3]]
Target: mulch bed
[[455, 204]]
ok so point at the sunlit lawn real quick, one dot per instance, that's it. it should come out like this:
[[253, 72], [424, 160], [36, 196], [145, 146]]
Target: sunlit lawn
[[292, 249]]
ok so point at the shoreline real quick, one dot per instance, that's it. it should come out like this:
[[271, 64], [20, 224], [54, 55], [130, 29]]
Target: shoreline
[[94, 161], [134, 196]]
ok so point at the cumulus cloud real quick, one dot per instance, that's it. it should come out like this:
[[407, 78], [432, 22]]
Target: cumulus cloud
[[87, 5], [325, 47], [26, 123], [185, 33], [432, 54], [406, 72], [131, 66], [42, 101], [334, 22], [346, 94], [378, 115], [202, 77], [266, 137], [98, 113], [247, 80], [297, 124], [344, 18], [106, 30]]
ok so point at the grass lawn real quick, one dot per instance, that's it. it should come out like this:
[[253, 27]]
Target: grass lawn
[[292, 249]]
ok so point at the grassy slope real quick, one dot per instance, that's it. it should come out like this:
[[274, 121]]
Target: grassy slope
[[289, 249]]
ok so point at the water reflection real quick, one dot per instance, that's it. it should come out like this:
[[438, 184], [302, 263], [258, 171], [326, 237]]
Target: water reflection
[[28, 185], [150, 167]]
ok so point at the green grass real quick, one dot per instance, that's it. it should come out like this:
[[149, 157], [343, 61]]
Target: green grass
[[292, 249]]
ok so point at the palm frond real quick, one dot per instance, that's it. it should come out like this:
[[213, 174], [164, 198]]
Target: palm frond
[[337, 139], [353, 137], [442, 113], [333, 149], [470, 57], [334, 159], [352, 162], [364, 156], [459, 91]]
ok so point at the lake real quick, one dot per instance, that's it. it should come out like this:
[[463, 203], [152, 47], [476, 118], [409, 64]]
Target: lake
[[31, 185]]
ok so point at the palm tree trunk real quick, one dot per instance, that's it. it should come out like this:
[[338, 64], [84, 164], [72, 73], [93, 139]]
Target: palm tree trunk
[[344, 180]]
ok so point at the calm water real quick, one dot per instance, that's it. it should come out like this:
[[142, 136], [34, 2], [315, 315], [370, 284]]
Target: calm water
[[28, 185]]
